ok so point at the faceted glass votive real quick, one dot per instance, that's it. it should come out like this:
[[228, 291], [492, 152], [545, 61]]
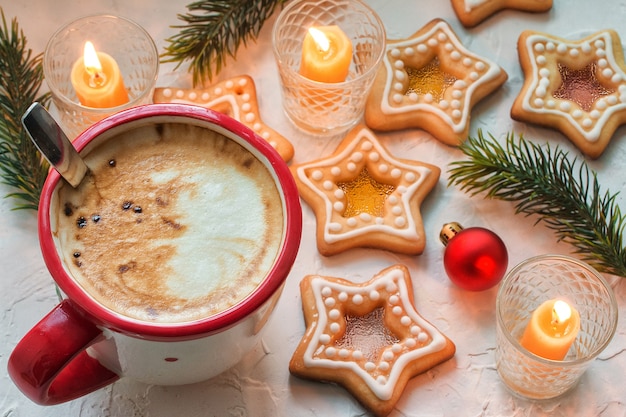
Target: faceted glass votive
[[321, 108], [125, 41], [526, 287]]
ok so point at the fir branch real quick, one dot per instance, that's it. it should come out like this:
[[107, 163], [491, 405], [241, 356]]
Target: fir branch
[[214, 30], [564, 194], [21, 77]]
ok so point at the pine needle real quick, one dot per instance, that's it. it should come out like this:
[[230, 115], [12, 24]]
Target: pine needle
[[564, 194], [21, 77], [214, 30]]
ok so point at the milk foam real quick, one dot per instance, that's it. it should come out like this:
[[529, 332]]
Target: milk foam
[[241, 225], [182, 224]]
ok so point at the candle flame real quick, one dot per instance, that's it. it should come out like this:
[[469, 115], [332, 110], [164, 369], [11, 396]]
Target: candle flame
[[93, 67], [320, 38], [561, 312], [92, 63]]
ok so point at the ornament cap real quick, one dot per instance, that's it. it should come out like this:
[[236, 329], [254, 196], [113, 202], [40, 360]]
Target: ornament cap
[[448, 231]]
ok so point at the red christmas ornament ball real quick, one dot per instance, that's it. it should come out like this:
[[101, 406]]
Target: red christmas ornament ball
[[475, 258]]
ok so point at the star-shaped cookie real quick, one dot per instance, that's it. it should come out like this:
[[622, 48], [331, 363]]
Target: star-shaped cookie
[[235, 97], [430, 81], [364, 197], [472, 12], [367, 337], [575, 86]]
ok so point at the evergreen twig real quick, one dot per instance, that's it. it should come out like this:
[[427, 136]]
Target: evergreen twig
[[213, 30], [21, 77], [564, 194]]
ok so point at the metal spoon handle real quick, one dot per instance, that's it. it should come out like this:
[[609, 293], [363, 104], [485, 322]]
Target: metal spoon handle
[[55, 146]]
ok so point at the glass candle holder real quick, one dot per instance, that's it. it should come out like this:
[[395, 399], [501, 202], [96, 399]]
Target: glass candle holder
[[521, 292], [327, 108], [125, 41]]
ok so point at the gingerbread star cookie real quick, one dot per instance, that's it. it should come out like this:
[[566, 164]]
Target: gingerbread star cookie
[[473, 12], [577, 87], [364, 197], [430, 81], [367, 337], [235, 97]]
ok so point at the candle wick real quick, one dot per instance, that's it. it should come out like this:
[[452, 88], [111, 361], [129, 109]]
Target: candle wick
[[96, 78], [557, 327]]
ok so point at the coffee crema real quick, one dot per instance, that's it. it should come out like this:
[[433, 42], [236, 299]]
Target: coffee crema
[[173, 223]]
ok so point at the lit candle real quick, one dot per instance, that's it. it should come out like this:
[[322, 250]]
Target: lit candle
[[97, 80], [326, 54], [551, 330]]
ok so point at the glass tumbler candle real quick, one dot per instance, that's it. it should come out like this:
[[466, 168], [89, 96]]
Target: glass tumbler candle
[[128, 44], [521, 292], [327, 108]]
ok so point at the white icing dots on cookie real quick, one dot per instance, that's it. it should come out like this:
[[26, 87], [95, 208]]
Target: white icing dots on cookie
[[365, 153], [317, 175], [455, 103], [236, 97], [361, 192], [400, 222], [338, 341], [593, 61]]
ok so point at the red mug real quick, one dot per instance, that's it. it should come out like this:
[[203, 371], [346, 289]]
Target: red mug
[[83, 344]]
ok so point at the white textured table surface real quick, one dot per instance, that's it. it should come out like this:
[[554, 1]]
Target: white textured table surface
[[467, 385]]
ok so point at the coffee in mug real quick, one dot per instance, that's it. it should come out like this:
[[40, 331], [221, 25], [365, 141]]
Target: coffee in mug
[[171, 253], [173, 223]]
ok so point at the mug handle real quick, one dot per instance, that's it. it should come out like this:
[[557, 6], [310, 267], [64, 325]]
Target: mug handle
[[50, 365]]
